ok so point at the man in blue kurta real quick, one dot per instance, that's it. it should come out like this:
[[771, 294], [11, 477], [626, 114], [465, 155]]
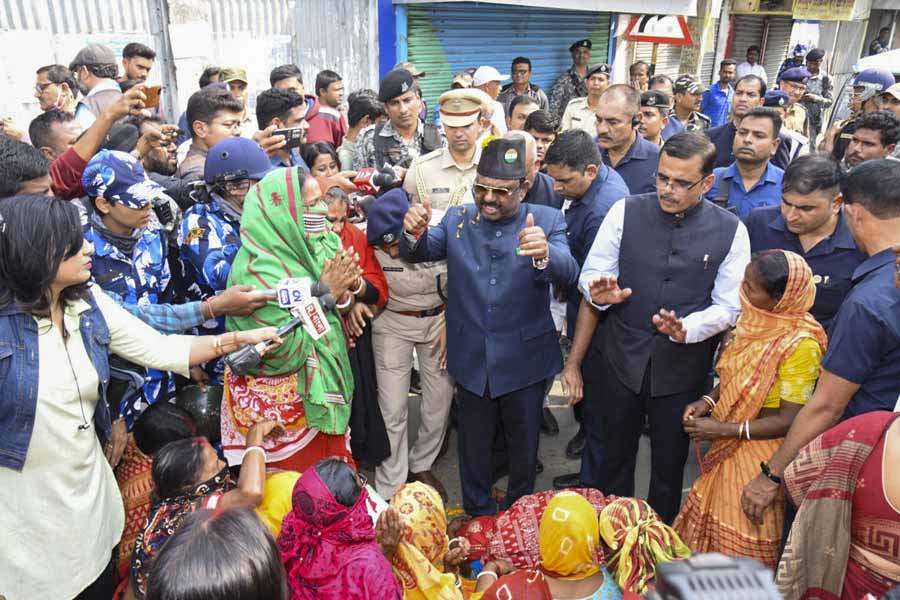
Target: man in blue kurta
[[501, 342]]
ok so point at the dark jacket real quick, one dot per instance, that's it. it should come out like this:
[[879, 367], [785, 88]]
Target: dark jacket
[[500, 335]]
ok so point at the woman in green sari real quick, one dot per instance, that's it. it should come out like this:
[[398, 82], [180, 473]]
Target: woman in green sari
[[306, 383]]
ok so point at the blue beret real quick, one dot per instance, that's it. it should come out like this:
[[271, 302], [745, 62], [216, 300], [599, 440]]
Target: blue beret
[[795, 74], [776, 98], [385, 217]]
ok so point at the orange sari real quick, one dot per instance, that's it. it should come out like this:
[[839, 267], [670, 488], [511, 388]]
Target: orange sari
[[711, 519]]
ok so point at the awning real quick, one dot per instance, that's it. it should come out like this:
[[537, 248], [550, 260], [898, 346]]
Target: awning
[[686, 8]]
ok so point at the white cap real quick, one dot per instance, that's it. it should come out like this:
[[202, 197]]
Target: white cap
[[485, 74]]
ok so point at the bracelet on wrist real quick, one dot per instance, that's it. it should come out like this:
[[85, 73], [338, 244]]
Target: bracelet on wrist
[[764, 467], [249, 449], [359, 288], [343, 305]]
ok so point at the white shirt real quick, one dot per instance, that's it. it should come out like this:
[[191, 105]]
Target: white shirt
[[498, 118], [746, 68], [603, 261], [62, 514]]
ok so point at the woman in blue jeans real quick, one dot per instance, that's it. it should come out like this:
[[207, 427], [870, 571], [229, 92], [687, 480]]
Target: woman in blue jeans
[[60, 507]]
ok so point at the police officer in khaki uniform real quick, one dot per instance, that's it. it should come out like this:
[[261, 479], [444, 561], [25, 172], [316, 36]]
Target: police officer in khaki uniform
[[793, 83], [412, 320], [445, 175], [580, 111]]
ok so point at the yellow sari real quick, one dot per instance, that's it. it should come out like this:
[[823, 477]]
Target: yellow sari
[[711, 519]]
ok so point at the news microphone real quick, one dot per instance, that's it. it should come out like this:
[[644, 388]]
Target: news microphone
[[369, 180]]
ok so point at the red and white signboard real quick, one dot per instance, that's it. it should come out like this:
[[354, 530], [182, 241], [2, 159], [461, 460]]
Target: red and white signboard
[[659, 29]]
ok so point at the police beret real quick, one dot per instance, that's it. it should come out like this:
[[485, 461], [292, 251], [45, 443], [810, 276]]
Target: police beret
[[503, 158], [776, 98], [395, 83], [655, 98], [795, 74], [581, 44], [598, 68], [385, 217], [815, 54]]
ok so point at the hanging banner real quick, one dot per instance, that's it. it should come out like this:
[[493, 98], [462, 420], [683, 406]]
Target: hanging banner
[[824, 10]]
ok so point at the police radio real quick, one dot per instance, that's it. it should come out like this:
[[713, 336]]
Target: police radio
[[307, 303]]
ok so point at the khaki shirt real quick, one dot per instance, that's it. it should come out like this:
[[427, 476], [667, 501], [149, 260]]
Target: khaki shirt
[[579, 115], [445, 182], [412, 286], [795, 119]]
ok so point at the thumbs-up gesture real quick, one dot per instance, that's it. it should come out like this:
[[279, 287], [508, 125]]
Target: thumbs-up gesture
[[532, 241], [417, 218]]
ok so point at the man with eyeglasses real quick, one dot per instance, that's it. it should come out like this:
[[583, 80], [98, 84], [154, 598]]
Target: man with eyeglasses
[[666, 268], [521, 86], [793, 83], [621, 146], [209, 237], [213, 115], [809, 221], [501, 341]]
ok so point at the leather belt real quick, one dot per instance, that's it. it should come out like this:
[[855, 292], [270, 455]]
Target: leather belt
[[431, 312]]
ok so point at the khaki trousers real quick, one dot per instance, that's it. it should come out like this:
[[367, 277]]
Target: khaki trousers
[[394, 337]]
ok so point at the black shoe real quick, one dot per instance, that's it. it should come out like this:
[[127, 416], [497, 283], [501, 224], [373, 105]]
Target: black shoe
[[539, 468], [569, 480], [575, 447], [548, 423]]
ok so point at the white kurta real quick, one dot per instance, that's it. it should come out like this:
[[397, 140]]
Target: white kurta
[[62, 515]]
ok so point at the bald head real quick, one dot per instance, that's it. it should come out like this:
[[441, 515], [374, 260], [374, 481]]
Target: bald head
[[623, 95]]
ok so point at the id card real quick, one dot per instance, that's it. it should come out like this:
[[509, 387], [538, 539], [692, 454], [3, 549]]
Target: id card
[[314, 319], [294, 291]]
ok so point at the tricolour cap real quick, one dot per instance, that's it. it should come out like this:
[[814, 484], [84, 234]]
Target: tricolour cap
[[503, 158]]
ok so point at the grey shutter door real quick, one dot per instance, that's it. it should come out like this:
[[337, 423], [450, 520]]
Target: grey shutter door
[[668, 58], [777, 42], [445, 38]]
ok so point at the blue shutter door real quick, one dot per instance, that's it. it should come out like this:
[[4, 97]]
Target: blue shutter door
[[447, 38]]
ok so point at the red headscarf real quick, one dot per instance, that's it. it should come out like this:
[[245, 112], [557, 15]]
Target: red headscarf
[[329, 550]]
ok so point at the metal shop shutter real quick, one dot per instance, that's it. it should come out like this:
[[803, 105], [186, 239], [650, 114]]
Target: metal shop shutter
[[668, 58], [447, 38], [748, 31], [777, 41]]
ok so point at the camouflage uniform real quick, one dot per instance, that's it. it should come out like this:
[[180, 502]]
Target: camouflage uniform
[[567, 86], [405, 152], [696, 121]]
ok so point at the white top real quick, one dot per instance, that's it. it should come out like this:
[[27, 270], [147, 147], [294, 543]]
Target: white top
[[746, 68], [498, 118], [603, 261], [63, 514]]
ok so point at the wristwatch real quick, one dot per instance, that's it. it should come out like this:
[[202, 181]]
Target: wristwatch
[[541, 264]]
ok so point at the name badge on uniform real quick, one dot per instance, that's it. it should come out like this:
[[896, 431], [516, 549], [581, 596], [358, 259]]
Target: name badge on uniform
[[293, 291], [440, 190], [314, 319]]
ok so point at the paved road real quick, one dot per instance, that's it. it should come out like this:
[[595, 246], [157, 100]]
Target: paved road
[[552, 453]]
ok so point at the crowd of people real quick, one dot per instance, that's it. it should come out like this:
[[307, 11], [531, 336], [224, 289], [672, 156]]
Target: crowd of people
[[211, 323]]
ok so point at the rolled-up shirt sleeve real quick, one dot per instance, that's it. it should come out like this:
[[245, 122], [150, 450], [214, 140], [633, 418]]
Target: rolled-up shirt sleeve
[[726, 301], [136, 341], [603, 258]]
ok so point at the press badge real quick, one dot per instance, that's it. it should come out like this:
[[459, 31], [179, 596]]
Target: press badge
[[293, 291]]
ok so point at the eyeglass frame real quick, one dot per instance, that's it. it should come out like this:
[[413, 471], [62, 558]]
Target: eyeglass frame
[[502, 192], [676, 184]]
